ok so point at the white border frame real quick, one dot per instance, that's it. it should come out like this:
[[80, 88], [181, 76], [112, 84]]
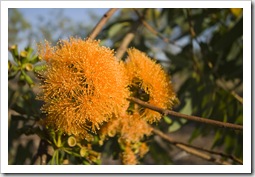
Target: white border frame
[[245, 168]]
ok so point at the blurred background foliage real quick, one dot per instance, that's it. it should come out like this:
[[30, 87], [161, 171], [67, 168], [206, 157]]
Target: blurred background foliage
[[201, 49]]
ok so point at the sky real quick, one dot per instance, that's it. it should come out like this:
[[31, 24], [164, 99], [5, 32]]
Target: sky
[[82, 16], [77, 16]]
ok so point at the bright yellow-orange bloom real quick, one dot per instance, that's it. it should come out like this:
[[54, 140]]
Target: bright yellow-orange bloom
[[128, 156], [149, 82], [84, 85], [130, 128], [85, 89], [143, 149]]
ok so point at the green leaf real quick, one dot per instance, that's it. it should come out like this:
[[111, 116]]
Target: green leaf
[[167, 119], [226, 40], [174, 127], [179, 60], [187, 109], [117, 28]]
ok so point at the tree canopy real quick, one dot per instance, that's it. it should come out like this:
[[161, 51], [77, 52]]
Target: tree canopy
[[201, 50]]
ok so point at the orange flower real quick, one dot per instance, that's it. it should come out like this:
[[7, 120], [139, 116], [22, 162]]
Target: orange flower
[[149, 82], [143, 149], [128, 156], [84, 85], [130, 128]]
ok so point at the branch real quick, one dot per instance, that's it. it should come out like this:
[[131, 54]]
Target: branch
[[185, 147], [153, 31], [240, 99], [191, 28], [188, 117], [221, 83], [126, 41], [193, 36], [101, 23], [188, 149]]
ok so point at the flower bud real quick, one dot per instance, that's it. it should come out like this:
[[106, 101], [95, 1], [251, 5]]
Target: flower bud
[[23, 54], [71, 141], [83, 152], [29, 67]]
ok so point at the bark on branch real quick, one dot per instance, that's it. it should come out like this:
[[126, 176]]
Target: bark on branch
[[194, 150], [101, 23], [126, 41], [153, 31], [188, 117]]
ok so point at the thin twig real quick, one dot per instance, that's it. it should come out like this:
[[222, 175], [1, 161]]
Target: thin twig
[[126, 41], [124, 45], [153, 31], [240, 99], [166, 137], [193, 37], [224, 86], [101, 23], [191, 28], [202, 155], [189, 150], [188, 117], [128, 38]]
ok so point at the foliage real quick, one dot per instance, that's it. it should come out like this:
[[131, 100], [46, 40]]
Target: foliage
[[17, 25], [201, 49], [204, 53]]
